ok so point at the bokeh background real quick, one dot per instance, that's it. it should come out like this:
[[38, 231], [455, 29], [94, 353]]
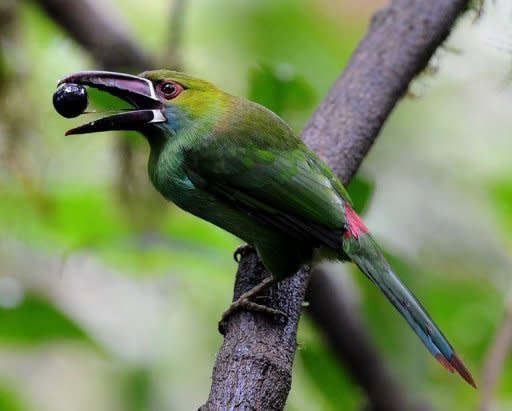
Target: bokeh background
[[109, 297]]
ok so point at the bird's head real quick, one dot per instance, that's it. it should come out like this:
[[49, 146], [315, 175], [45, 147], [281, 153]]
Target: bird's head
[[161, 99]]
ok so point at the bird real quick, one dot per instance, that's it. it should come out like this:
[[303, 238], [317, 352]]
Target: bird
[[238, 165]]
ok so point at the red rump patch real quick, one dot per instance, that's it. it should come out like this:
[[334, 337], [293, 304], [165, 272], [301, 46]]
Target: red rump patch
[[355, 226]]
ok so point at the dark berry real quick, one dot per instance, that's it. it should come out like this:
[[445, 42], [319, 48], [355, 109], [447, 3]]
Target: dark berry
[[70, 100]]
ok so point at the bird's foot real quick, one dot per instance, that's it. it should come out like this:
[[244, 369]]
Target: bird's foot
[[242, 251], [244, 302], [250, 306]]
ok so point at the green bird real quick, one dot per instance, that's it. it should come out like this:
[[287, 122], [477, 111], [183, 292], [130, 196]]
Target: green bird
[[238, 165]]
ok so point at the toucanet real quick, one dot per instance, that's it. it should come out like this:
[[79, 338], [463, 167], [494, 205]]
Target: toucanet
[[239, 166]]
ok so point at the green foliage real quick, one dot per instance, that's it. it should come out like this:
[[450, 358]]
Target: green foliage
[[36, 321], [279, 88], [10, 400], [330, 381], [69, 218], [136, 390], [501, 194]]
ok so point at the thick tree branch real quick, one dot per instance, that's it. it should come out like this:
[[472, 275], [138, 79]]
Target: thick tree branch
[[257, 352], [261, 349], [401, 40]]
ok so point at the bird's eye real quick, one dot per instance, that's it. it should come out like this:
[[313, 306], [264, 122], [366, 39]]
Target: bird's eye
[[169, 89]]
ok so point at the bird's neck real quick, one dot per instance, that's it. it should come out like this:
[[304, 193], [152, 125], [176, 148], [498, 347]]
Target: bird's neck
[[168, 142]]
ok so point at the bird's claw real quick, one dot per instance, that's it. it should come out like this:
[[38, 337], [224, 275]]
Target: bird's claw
[[246, 304], [242, 251]]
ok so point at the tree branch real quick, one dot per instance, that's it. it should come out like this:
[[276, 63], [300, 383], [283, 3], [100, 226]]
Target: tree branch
[[99, 30], [253, 368], [261, 349], [402, 38]]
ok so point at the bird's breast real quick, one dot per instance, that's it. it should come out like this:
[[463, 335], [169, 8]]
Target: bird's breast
[[167, 174]]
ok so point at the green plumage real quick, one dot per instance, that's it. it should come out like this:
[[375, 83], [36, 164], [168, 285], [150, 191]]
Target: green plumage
[[242, 168]]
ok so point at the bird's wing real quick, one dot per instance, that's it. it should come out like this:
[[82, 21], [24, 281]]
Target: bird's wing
[[291, 189]]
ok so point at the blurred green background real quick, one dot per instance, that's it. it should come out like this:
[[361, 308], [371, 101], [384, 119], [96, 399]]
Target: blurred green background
[[109, 297]]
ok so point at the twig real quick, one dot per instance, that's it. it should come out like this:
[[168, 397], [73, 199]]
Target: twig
[[495, 359], [401, 40]]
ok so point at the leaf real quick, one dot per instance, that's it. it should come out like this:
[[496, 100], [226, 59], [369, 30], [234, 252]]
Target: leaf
[[10, 400], [501, 196], [279, 88], [36, 321], [136, 389]]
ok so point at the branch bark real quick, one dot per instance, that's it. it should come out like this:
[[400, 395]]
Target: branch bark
[[253, 368]]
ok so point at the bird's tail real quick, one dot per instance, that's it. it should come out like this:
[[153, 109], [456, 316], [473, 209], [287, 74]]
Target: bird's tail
[[366, 254]]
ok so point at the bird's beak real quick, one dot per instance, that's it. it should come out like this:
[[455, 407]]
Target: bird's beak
[[137, 91]]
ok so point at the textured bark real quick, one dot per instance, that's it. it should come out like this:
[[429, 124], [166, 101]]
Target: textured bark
[[261, 349], [253, 368]]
